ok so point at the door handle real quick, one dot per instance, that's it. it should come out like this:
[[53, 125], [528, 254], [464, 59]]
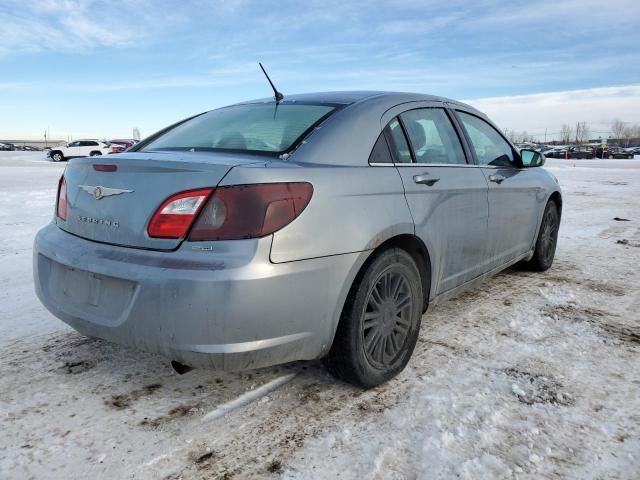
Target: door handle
[[496, 178], [425, 179]]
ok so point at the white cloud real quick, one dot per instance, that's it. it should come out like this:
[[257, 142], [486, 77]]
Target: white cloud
[[535, 113], [73, 25]]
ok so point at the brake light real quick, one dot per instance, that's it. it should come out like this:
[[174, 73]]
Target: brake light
[[177, 213], [250, 211], [105, 168], [61, 204]]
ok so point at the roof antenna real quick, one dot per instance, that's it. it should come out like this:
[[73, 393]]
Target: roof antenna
[[278, 96]]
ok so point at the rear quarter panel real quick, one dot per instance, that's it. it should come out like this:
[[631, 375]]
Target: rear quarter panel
[[352, 209]]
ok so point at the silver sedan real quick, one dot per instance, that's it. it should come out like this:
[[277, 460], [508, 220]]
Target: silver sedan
[[321, 225]]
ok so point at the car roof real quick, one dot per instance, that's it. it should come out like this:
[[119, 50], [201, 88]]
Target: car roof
[[349, 97]]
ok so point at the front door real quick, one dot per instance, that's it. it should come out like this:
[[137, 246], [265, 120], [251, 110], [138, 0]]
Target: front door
[[513, 191], [74, 149], [447, 196]]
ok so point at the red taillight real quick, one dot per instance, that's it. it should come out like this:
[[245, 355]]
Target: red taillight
[[176, 214], [250, 211], [105, 168], [61, 205]]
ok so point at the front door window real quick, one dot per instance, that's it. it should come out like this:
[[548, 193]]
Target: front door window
[[490, 148]]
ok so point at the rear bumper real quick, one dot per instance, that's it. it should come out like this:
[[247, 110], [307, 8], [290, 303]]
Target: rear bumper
[[228, 308]]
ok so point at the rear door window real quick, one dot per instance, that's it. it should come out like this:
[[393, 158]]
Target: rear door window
[[432, 136], [380, 152], [398, 140]]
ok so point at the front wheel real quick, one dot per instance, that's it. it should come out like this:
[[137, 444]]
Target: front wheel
[[380, 321], [57, 156], [94, 154], [545, 249]]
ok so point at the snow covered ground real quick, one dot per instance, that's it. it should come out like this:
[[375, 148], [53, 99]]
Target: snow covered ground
[[528, 376]]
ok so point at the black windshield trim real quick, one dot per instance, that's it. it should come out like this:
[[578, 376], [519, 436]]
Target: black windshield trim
[[336, 107]]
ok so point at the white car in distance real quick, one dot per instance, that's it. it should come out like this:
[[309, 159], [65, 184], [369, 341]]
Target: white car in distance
[[79, 148]]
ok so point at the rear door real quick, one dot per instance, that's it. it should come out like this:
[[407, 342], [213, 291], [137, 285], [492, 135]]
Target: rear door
[[447, 195], [513, 191], [88, 146]]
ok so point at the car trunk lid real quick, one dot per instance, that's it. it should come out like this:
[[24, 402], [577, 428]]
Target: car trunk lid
[[111, 199]]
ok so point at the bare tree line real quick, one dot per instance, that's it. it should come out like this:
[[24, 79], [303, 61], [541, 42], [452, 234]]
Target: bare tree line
[[624, 132], [518, 137], [579, 134], [621, 132]]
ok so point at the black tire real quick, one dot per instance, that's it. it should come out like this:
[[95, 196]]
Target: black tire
[[95, 154], [57, 156], [547, 239], [388, 296]]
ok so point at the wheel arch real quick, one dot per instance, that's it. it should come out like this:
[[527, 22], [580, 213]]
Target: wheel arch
[[410, 243], [557, 198], [415, 247]]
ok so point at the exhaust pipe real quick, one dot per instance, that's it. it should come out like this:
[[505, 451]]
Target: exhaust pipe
[[180, 368]]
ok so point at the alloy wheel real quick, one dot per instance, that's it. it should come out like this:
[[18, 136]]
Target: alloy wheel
[[549, 234], [386, 319]]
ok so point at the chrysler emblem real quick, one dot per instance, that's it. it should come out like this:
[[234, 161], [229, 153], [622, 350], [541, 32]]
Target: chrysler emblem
[[98, 191]]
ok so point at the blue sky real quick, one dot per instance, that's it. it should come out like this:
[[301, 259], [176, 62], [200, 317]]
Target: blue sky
[[89, 68]]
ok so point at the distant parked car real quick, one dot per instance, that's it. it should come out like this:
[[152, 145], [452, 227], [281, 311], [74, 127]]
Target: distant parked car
[[79, 148], [617, 152], [29, 148], [580, 152], [558, 152], [118, 146], [633, 150], [7, 147]]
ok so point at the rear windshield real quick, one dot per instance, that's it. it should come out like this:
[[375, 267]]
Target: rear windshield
[[244, 128]]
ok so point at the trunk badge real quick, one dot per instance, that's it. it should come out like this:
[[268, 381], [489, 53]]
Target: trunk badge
[[99, 191]]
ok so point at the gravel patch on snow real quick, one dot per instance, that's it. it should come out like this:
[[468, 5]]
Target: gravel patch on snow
[[527, 376]]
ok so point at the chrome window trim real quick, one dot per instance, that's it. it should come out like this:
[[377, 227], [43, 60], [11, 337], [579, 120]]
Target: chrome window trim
[[456, 165]]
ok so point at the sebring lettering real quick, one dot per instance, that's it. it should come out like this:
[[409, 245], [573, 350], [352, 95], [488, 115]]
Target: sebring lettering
[[99, 221]]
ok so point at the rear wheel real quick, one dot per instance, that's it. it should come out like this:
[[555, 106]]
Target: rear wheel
[[94, 154], [380, 322], [57, 156], [545, 249]]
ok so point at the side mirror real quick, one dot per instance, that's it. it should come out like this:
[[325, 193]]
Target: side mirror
[[531, 158]]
